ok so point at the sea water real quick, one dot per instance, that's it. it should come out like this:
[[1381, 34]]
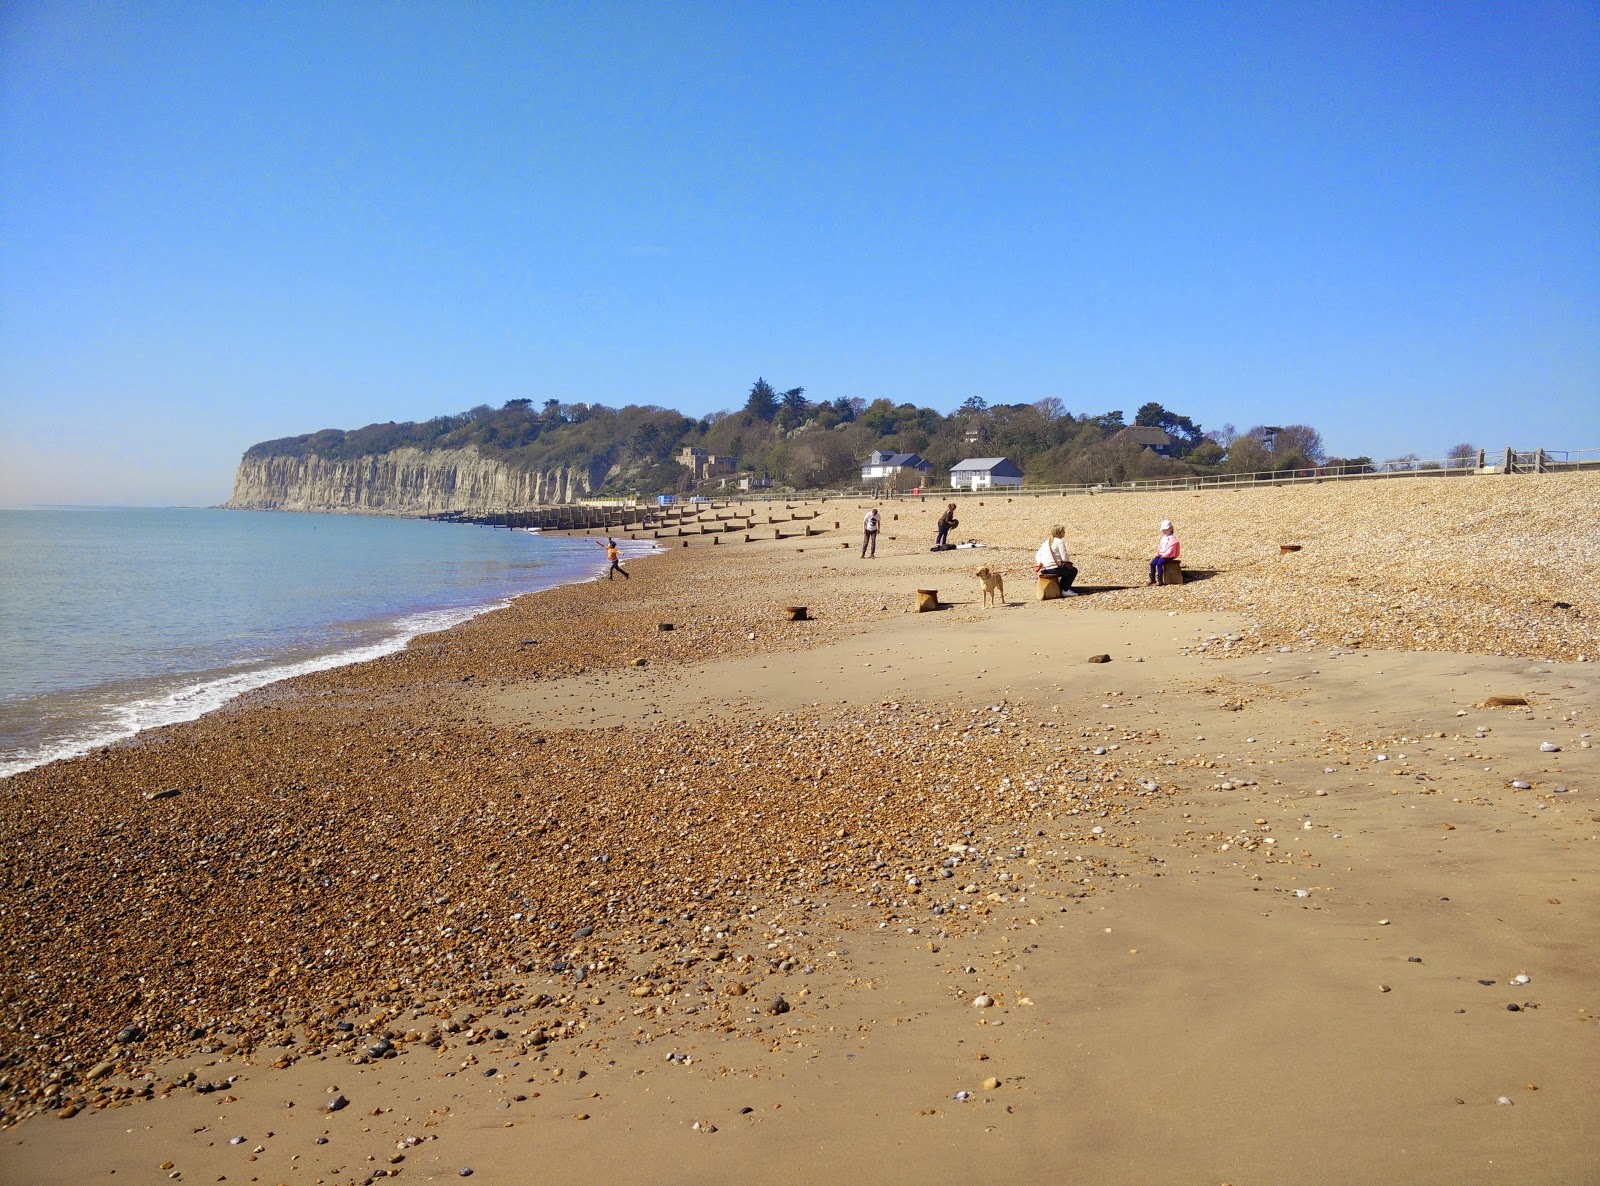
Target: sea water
[[115, 620]]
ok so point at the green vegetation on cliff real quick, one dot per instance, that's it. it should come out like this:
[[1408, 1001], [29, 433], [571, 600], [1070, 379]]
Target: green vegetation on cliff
[[805, 444]]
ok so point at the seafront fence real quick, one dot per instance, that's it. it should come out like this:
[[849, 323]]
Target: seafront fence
[[1508, 461]]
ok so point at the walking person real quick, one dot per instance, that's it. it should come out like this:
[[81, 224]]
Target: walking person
[[947, 520], [616, 560], [869, 534], [1052, 561]]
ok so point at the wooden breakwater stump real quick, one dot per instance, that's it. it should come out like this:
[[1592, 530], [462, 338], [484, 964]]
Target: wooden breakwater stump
[[1049, 588], [1172, 572], [797, 613], [927, 600], [1285, 549]]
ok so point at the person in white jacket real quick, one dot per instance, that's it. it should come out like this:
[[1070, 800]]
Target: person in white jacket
[[1052, 561]]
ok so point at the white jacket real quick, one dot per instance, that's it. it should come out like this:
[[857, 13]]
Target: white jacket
[[1052, 553]]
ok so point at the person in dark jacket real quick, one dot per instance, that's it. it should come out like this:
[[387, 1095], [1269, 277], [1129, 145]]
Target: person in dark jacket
[[946, 522]]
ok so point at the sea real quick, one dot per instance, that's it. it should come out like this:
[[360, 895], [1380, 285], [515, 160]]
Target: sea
[[114, 620]]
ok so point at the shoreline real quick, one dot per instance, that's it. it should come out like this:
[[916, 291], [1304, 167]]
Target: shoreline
[[416, 847], [185, 697]]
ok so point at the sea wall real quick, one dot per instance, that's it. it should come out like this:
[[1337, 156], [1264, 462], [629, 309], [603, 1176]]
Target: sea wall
[[404, 482]]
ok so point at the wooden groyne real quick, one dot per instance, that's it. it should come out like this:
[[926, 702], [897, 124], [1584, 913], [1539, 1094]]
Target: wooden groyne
[[640, 522]]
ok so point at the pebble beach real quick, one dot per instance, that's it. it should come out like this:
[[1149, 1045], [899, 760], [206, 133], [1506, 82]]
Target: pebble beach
[[1287, 874]]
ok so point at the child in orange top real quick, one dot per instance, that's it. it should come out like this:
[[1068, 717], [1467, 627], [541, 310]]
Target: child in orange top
[[1166, 549], [616, 561]]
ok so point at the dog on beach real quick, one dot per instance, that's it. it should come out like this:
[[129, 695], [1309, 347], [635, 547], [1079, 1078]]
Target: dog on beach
[[994, 585]]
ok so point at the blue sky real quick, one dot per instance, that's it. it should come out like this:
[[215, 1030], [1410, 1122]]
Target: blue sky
[[222, 223]]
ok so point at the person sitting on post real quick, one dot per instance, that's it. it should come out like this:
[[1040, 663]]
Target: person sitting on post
[[1166, 549], [1052, 561]]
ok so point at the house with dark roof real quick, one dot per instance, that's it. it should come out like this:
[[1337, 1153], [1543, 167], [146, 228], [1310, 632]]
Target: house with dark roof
[[881, 465], [984, 473], [1146, 436]]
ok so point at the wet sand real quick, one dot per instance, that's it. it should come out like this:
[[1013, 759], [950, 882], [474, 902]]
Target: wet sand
[[1232, 904]]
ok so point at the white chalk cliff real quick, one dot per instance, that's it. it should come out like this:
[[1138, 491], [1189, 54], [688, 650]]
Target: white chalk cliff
[[405, 482]]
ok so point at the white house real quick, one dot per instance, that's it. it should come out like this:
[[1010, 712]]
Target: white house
[[983, 473], [882, 465]]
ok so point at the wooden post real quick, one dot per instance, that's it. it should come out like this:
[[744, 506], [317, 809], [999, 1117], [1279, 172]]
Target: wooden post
[[1049, 588], [927, 600]]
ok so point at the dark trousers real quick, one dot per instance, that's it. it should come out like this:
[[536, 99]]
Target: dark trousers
[[1156, 567], [869, 544], [616, 567], [1066, 574], [943, 538]]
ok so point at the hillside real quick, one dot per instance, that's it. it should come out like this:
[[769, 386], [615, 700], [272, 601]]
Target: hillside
[[518, 456]]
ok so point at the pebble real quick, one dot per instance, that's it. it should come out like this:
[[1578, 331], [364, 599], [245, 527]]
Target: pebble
[[1521, 978], [1549, 747], [335, 1103], [983, 1001], [1520, 785]]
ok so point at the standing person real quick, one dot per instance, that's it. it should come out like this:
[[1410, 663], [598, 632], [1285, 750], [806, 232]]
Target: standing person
[[946, 522], [869, 534], [1166, 549], [1051, 560], [616, 560]]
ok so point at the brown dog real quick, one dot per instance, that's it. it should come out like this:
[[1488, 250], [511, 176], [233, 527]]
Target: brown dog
[[994, 585]]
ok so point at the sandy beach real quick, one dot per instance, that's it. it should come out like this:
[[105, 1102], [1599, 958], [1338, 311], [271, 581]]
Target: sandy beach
[[643, 882]]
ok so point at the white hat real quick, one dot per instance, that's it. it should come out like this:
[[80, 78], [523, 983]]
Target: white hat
[[1166, 525]]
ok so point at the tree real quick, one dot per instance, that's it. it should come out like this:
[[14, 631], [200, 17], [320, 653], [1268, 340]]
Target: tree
[[1301, 440], [1248, 454], [763, 401], [880, 416], [793, 407], [1462, 456], [1051, 408], [517, 405], [973, 405], [845, 409]]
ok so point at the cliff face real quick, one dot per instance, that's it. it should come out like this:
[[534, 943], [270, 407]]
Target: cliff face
[[404, 482]]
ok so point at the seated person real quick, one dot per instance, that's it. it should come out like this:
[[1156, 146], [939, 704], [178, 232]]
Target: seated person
[[1051, 561], [1166, 549]]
